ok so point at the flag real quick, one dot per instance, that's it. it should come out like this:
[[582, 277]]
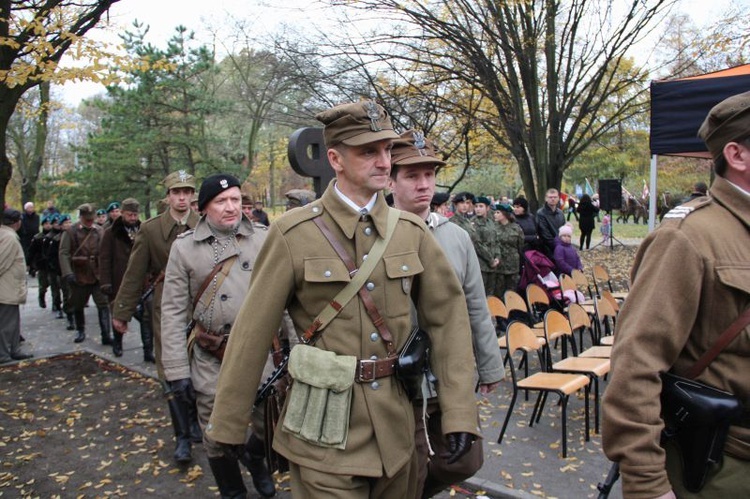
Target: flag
[[645, 192], [589, 189]]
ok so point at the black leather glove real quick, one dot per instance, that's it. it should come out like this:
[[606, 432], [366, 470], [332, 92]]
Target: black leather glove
[[458, 444], [233, 451], [183, 390], [70, 278]]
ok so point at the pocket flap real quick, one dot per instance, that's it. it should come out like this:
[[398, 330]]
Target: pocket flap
[[326, 270], [734, 275], [321, 368], [403, 265]]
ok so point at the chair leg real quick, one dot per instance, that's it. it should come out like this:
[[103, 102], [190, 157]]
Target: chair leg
[[564, 403], [536, 409], [507, 416], [588, 424], [596, 404]]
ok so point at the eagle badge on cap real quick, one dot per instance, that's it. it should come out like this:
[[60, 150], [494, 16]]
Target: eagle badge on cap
[[419, 143], [224, 184], [374, 114], [183, 175]]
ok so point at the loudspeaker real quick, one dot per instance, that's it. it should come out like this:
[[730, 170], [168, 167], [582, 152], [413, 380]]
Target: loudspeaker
[[610, 194]]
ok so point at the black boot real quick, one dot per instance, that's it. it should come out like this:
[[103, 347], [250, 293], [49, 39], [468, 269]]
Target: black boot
[[181, 426], [42, 302], [105, 325], [196, 435], [71, 324], [255, 462], [147, 337], [228, 477], [117, 344], [80, 326], [59, 314]]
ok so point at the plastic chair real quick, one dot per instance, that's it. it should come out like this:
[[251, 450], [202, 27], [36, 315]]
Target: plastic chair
[[557, 325], [520, 337]]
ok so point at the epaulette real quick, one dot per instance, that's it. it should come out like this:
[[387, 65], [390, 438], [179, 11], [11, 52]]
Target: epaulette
[[185, 234], [296, 216], [682, 211]]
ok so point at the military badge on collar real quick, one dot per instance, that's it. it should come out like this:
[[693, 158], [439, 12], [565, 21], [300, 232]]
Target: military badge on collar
[[374, 114]]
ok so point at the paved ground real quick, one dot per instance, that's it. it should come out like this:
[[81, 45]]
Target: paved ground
[[527, 463]]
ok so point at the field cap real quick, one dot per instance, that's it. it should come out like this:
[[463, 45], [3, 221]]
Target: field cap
[[728, 121], [356, 124], [179, 179]]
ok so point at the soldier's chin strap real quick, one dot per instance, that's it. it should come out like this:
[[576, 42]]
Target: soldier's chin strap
[[356, 285]]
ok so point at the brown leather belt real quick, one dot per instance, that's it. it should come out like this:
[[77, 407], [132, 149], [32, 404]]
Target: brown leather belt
[[370, 370]]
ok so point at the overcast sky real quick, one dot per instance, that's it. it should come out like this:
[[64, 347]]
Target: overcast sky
[[164, 15]]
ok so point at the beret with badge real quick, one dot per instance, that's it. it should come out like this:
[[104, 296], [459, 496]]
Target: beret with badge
[[356, 124], [463, 196], [114, 205], [213, 186], [483, 200], [728, 121]]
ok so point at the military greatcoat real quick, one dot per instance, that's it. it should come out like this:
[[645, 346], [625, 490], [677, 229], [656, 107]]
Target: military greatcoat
[[299, 270]]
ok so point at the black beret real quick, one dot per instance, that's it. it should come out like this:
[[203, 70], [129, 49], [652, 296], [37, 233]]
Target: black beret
[[11, 216], [440, 198], [213, 186], [463, 196]]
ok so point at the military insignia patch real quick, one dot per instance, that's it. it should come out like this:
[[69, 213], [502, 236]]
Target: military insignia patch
[[419, 143], [679, 212], [224, 184], [183, 175]]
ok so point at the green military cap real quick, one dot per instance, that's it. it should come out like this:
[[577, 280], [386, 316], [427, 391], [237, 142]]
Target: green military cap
[[356, 124], [413, 148], [728, 121], [131, 205], [179, 179], [114, 205], [483, 200], [86, 210], [101, 211]]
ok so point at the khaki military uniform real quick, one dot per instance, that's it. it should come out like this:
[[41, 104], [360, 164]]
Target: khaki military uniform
[[191, 260], [148, 258], [299, 270], [691, 280]]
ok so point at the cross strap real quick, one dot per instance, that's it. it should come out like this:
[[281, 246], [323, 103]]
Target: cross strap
[[356, 285], [725, 339]]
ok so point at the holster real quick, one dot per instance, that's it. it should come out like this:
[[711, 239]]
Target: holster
[[85, 269], [697, 417], [320, 399], [414, 362], [212, 342]]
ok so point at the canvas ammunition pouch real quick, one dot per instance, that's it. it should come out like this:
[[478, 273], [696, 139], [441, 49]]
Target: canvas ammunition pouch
[[697, 417], [319, 402]]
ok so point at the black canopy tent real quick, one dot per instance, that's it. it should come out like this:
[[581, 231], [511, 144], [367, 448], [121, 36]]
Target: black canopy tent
[[678, 107]]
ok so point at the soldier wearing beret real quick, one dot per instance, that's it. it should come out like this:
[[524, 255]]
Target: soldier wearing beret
[[38, 262], [413, 184], [79, 265], [114, 254], [50, 251], [690, 281], [114, 211], [486, 246], [101, 217], [464, 214], [298, 269], [148, 260]]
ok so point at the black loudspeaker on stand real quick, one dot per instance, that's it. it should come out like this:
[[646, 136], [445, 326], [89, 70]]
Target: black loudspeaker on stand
[[610, 198]]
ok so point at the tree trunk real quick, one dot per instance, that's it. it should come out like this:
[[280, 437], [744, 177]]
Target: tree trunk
[[28, 188]]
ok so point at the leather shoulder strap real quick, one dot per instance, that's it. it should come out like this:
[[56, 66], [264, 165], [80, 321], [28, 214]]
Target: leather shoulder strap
[[224, 264], [725, 339]]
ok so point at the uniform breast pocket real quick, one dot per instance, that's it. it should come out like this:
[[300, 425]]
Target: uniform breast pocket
[[324, 278], [733, 297], [401, 270]]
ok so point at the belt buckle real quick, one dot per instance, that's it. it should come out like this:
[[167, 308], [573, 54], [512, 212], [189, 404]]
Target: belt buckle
[[360, 374]]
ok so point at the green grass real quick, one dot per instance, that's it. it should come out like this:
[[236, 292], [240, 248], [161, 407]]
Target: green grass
[[620, 231]]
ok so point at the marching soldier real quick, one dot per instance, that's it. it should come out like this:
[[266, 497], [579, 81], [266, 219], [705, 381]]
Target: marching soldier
[[369, 450], [50, 253], [79, 264], [211, 267], [148, 259], [114, 253], [38, 261]]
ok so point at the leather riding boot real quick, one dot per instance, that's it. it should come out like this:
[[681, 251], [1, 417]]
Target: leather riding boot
[[181, 426], [228, 477], [59, 314], [80, 326], [105, 325], [71, 323], [117, 344], [255, 462], [147, 337], [42, 301], [196, 434]]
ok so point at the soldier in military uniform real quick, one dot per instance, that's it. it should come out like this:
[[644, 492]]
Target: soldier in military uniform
[[223, 237], [414, 162], [38, 262], [510, 241], [485, 245], [51, 260], [464, 203], [690, 281], [298, 269], [53, 257], [148, 259], [114, 254], [79, 264]]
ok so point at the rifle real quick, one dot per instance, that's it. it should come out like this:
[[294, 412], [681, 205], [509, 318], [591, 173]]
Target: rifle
[[138, 315], [606, 487]]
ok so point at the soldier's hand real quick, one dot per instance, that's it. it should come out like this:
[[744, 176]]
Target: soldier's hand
[[487, 388], [120, 326], [459, 443], [70, 278], [183, 389]]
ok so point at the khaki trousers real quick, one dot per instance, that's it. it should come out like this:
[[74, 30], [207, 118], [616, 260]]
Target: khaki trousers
[[308, 483]]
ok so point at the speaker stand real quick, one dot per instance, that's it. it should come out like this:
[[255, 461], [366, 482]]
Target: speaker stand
[[611, 237]]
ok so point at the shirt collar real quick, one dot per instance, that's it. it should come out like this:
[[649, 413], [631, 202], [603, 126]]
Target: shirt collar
[[352, 204]]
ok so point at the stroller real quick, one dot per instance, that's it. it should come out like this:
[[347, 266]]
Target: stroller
[[539, 269]]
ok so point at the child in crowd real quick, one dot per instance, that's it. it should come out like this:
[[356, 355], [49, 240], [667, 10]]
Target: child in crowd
[[566, 256]]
